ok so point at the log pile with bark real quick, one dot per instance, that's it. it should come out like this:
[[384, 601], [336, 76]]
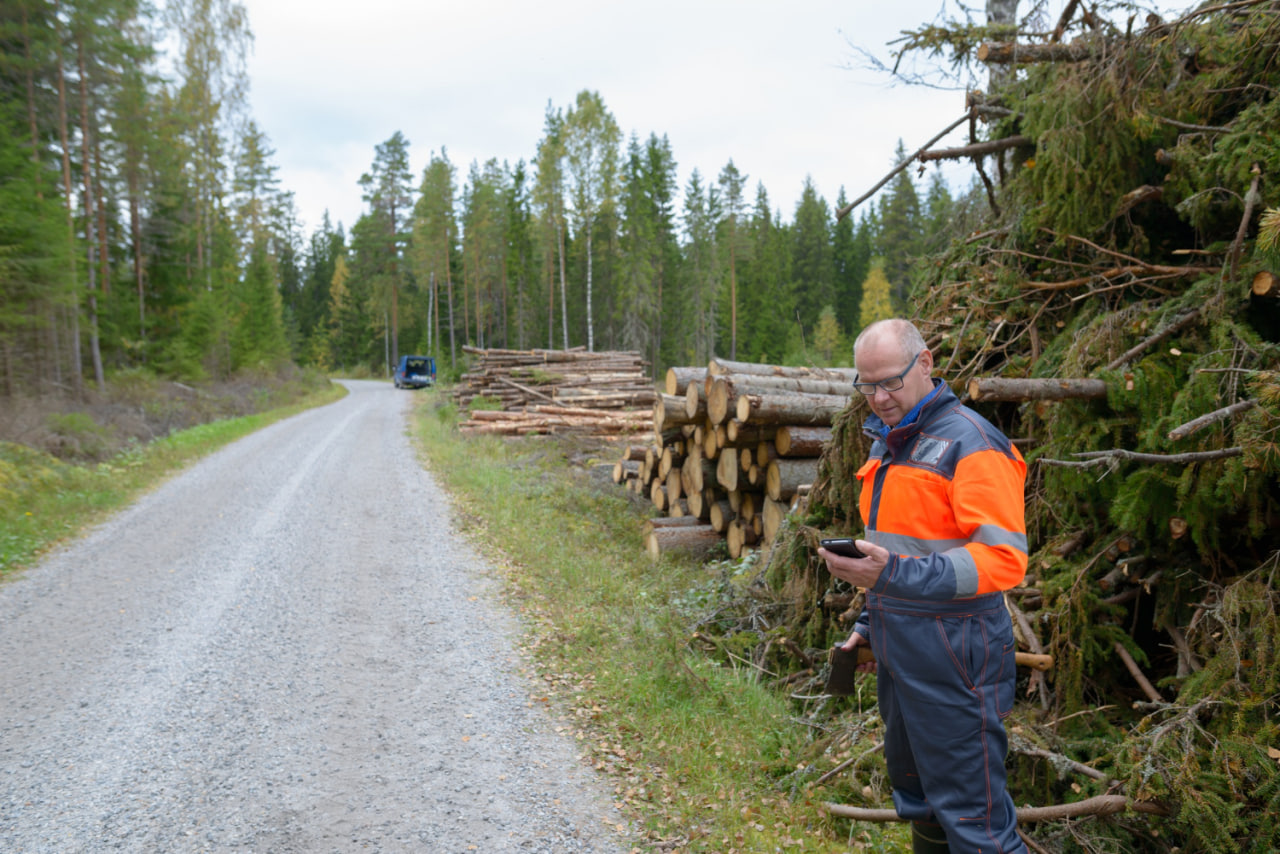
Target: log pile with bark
[[733, 445], [557, 391]]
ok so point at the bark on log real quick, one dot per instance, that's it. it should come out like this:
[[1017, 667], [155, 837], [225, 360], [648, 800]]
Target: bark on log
[[668, 412], [796, 441], [695, 540], [721, 367], [795, 408], [1266, 284], [667, 522], [785, 476], [978, 149], [1033, 388], [678, 379], [744, 433], [1006, 53], [1100, 805]]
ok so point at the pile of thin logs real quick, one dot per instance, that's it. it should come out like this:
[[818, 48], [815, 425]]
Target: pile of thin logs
[[734, 444], [556, 391]]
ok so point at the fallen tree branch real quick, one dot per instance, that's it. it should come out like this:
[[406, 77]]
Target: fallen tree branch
[[1009, 53], [847, 209], [1191, 457], [977, 149], [1251, 199], [1138, 676], [1152, 340], [1101, 805], [1184, 430]]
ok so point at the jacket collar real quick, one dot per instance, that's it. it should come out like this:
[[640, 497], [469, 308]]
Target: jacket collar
[[941, 397]]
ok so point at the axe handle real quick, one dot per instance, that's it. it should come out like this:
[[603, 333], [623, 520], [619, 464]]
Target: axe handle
[[1024, 659]]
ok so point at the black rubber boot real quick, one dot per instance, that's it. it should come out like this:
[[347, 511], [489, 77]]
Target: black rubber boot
[[928, 839]]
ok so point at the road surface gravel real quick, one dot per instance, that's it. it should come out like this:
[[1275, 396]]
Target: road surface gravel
[[287, 648]]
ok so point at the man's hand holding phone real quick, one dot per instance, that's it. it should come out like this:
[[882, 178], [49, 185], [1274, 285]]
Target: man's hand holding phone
[[858, 562]]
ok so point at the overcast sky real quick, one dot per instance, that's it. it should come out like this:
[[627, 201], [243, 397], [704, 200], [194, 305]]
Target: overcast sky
[[776, 86]]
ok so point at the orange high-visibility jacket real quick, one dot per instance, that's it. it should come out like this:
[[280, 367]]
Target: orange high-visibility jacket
[[945, 496]]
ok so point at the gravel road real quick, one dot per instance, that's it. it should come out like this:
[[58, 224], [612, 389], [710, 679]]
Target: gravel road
[[288, 648]]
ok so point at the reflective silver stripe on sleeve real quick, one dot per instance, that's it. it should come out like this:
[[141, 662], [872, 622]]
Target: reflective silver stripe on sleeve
[[994, 535], [900, 544], [966, 572]]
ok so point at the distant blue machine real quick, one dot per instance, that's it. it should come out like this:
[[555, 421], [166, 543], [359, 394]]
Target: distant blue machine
[[415, 372]]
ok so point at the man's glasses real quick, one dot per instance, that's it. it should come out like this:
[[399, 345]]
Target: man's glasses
[[889, 383]]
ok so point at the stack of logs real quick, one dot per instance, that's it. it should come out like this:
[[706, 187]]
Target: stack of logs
[[555, 391], [734, 444]]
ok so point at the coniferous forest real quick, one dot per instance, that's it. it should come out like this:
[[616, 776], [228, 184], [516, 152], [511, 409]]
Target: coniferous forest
[[143, 226]]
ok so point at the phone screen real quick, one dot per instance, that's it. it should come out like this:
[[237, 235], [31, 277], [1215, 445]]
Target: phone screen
[[843, 546]]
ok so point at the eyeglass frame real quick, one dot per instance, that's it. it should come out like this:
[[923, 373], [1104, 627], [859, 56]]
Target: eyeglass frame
[[861, 388]]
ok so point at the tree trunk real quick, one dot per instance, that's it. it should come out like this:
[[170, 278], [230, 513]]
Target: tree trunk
[[679, 379], [1266, 284], [784, 477], [721, 367], [90, 218], [693, 540], [795, 441], [795, 408], [564, 288], [1011, 53], [77, 372], [1031, 388]]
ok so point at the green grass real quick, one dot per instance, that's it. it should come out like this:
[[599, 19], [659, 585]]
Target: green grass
[[44, 500], [700, 755]]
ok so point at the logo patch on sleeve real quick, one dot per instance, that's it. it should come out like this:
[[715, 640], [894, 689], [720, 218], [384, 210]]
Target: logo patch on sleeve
[[929, 450]]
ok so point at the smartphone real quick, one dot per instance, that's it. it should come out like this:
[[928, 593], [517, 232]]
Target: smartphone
[[844, 546]]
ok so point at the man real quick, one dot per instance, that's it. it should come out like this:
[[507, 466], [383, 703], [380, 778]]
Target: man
[[942, 504]]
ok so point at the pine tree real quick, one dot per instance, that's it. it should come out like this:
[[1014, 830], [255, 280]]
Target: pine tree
[[813, 262], [899, 240]]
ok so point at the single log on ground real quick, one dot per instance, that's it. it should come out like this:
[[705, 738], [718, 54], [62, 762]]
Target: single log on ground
[[794, 408], [1099, 805], [795, 441], [1035, 388], [635, 452], [785, 476], [694, 540], [1266, 284], [1005, 53], [678, 379]]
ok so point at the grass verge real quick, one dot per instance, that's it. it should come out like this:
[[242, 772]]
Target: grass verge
[[44, 500], [701, 757]]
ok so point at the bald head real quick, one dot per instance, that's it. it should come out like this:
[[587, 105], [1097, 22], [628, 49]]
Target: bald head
[[901, 332], [893, 353]]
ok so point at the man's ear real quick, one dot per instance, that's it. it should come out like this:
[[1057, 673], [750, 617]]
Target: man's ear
[[926, 361]]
